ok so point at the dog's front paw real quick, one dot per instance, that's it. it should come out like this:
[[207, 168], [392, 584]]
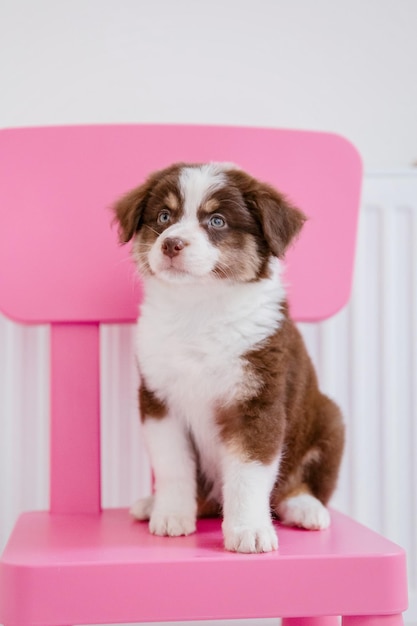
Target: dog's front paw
[[250, 539], [172, 524]]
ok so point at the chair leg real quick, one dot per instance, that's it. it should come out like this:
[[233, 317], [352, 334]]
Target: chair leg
[[373, 620], [311, 621]]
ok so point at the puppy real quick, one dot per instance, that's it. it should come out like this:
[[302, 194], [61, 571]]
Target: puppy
[[232, 414]]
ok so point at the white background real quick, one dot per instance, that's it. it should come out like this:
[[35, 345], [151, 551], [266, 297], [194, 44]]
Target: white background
[[348, 66]]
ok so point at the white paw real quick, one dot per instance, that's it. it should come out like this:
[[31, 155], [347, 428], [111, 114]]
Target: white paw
[[250, 539], [304, 511], [142, 509], [172, 524]]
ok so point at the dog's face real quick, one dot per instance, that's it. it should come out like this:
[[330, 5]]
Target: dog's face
[[195, 222]]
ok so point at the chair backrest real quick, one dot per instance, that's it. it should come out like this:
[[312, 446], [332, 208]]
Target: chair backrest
[[60, 261], [59, 258]]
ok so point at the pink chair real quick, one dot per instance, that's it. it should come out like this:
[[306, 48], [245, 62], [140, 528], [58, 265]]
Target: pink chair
[[60, 263]]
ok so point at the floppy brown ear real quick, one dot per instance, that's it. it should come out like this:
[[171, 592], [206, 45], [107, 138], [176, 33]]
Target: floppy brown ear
[[281, 221], [128, 211]]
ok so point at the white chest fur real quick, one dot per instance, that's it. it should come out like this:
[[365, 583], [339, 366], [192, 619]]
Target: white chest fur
[[190, 344]]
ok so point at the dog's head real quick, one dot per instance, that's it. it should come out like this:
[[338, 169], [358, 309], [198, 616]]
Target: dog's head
[[195, 221]]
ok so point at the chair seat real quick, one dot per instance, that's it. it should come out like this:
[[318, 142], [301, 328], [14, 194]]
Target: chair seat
[[54, 560]]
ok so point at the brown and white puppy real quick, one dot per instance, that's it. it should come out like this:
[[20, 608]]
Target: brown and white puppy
[[233, 417]]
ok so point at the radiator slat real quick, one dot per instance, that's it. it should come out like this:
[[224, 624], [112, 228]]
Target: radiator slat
[[412, 420]]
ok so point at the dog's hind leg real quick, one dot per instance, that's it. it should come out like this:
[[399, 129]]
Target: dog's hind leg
[[142, 509], [302, 509], [301, 500]]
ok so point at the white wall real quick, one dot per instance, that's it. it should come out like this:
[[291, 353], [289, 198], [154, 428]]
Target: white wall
[[346, 66]]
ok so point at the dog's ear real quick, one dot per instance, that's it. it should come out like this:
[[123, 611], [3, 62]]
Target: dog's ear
[[281, 221], [128, 210]]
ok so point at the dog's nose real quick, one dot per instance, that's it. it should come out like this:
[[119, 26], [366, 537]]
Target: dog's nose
[[172, 246]]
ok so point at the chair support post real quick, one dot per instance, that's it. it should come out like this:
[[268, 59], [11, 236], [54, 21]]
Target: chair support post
[[75, 419]]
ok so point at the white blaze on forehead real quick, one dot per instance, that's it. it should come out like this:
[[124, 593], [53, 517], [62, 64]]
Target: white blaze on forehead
[[198, 183]]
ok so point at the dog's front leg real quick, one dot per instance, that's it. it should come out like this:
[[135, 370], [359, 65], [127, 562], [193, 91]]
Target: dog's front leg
[[174, 507], [247, 485]]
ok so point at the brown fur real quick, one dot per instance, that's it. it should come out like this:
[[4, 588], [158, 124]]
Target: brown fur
[[149, 404], [280, 220], [289, 412], [129, 210]]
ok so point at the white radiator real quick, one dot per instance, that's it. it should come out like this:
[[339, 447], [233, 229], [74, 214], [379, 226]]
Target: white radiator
[[366, 358]]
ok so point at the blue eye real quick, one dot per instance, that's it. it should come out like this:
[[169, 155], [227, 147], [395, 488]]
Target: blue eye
[[217, 221], [164, 217]]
